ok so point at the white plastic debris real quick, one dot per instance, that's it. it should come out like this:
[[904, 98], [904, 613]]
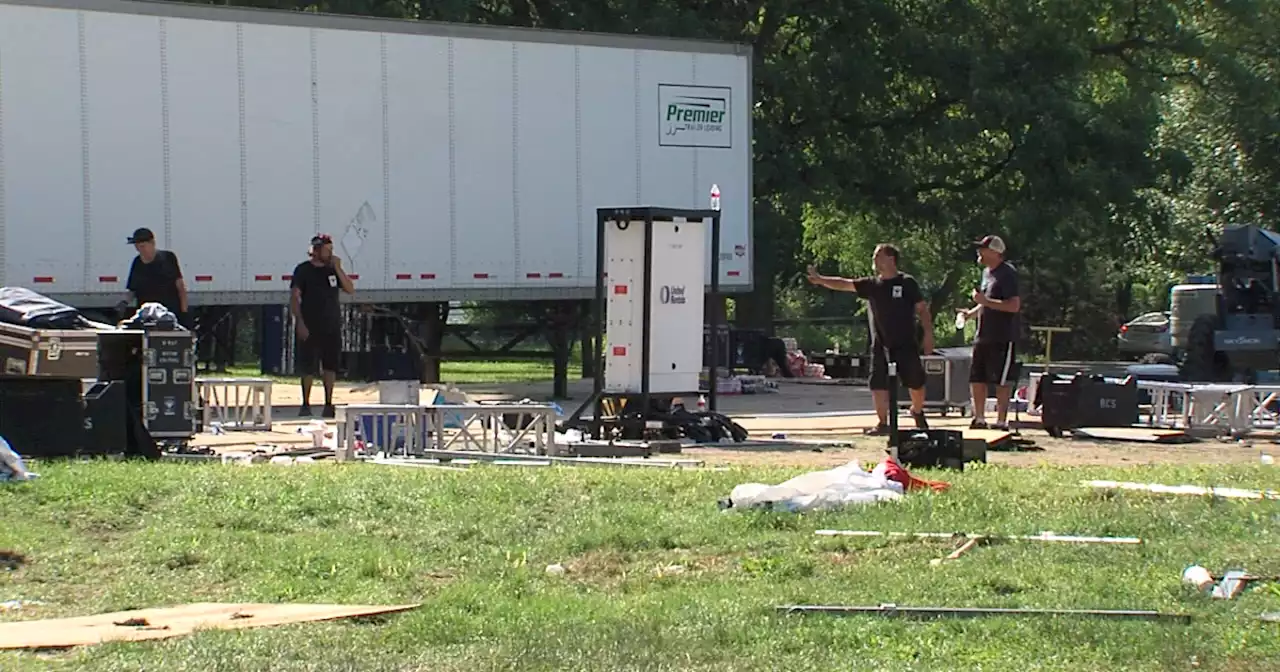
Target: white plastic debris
[[1197, 576], [555, 569], [829, 489], [14, 605]]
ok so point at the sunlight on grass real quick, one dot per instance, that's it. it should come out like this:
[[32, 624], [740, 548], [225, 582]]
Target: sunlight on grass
[[473, 547]]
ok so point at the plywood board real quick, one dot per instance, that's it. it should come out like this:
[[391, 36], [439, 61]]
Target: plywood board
[[167, 622], [993, 437], [1139, 434]]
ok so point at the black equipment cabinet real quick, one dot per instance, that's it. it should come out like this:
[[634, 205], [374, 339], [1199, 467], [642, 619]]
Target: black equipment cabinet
[[43, 416], [158, 371], [1084, 400]]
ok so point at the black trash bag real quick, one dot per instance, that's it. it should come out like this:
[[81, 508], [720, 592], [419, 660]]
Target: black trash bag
[[23, 307]]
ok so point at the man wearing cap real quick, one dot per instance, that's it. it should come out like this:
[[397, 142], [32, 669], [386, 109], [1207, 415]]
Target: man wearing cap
[[156, 277], [317, 318], [994, 351]]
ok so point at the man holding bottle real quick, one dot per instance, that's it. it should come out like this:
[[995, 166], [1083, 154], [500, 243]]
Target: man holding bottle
[[994, 353]]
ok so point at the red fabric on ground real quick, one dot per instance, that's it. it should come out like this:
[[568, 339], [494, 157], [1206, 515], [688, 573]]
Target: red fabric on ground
[[895, 472]]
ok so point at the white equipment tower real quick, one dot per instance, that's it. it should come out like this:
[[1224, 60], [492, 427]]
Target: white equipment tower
[[650, 296]]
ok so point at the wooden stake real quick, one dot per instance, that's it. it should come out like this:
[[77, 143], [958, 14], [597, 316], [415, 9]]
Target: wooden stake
[[955, 555], [1043, 536]]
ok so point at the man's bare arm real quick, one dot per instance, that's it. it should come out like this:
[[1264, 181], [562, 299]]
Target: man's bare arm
[[295, 304], [926, 319], [343, 281], [832, 282], [836, 283], [182, 295], [1011, 305]]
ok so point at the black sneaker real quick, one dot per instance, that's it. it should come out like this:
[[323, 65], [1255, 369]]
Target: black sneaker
[[978, 424], [304, 411], [921, 423], [330, 411]]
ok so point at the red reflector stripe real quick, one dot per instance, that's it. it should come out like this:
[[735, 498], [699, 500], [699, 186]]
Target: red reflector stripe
[[555, 275], [43, 279], [427, 276], [619, 351], [533, 275], [287, 278], [108, 278], [353, 276], [734, 274], [404, 276], [480, 276], [204, 278], [619, 289], [262, 278]]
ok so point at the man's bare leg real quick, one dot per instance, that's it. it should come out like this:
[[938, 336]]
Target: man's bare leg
[[917, 401], [330, 377], [1003, 393], [917, 407], [880, 399], [978, 394], [306, 395]]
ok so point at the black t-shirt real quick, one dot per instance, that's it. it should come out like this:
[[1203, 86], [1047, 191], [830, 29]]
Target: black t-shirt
[[156, 281], [996, 326], [892, 303], [319, 287]]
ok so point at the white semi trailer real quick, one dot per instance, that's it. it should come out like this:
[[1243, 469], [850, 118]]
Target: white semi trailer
[[449, 162]]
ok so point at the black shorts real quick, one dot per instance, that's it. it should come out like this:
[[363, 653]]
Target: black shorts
[[319, 353], [994, 364], [910, 370]]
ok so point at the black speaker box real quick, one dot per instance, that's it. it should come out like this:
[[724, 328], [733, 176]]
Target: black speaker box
[[946, 448], [1087, 401], [43, 416], [107, 417]]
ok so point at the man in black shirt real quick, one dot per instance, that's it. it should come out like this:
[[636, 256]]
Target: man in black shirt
[[318, 318], [994, 351], [156, 277], [894, 303]]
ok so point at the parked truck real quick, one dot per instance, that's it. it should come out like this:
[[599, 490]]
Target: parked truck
[[449, 162]]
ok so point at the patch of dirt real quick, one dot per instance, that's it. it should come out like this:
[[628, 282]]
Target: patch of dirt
[[607, 567], [12, 560]]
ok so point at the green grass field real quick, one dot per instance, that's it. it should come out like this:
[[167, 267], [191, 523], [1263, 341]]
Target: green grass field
[[512, 371], [473, 548]]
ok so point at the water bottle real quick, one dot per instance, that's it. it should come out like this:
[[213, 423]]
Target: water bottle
[[960, 320], [702, 404], [715, 197]]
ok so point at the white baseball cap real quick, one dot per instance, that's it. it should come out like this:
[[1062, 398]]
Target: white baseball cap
[[993, 243]]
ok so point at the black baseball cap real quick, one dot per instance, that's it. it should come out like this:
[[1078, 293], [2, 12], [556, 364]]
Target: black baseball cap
[[321, 239], [142, 235]]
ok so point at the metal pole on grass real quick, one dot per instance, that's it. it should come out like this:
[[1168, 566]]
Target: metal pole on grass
[[893, 403]]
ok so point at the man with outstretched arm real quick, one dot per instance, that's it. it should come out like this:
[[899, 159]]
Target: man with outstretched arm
[[317, 317], [894, 303], [994, 353]]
